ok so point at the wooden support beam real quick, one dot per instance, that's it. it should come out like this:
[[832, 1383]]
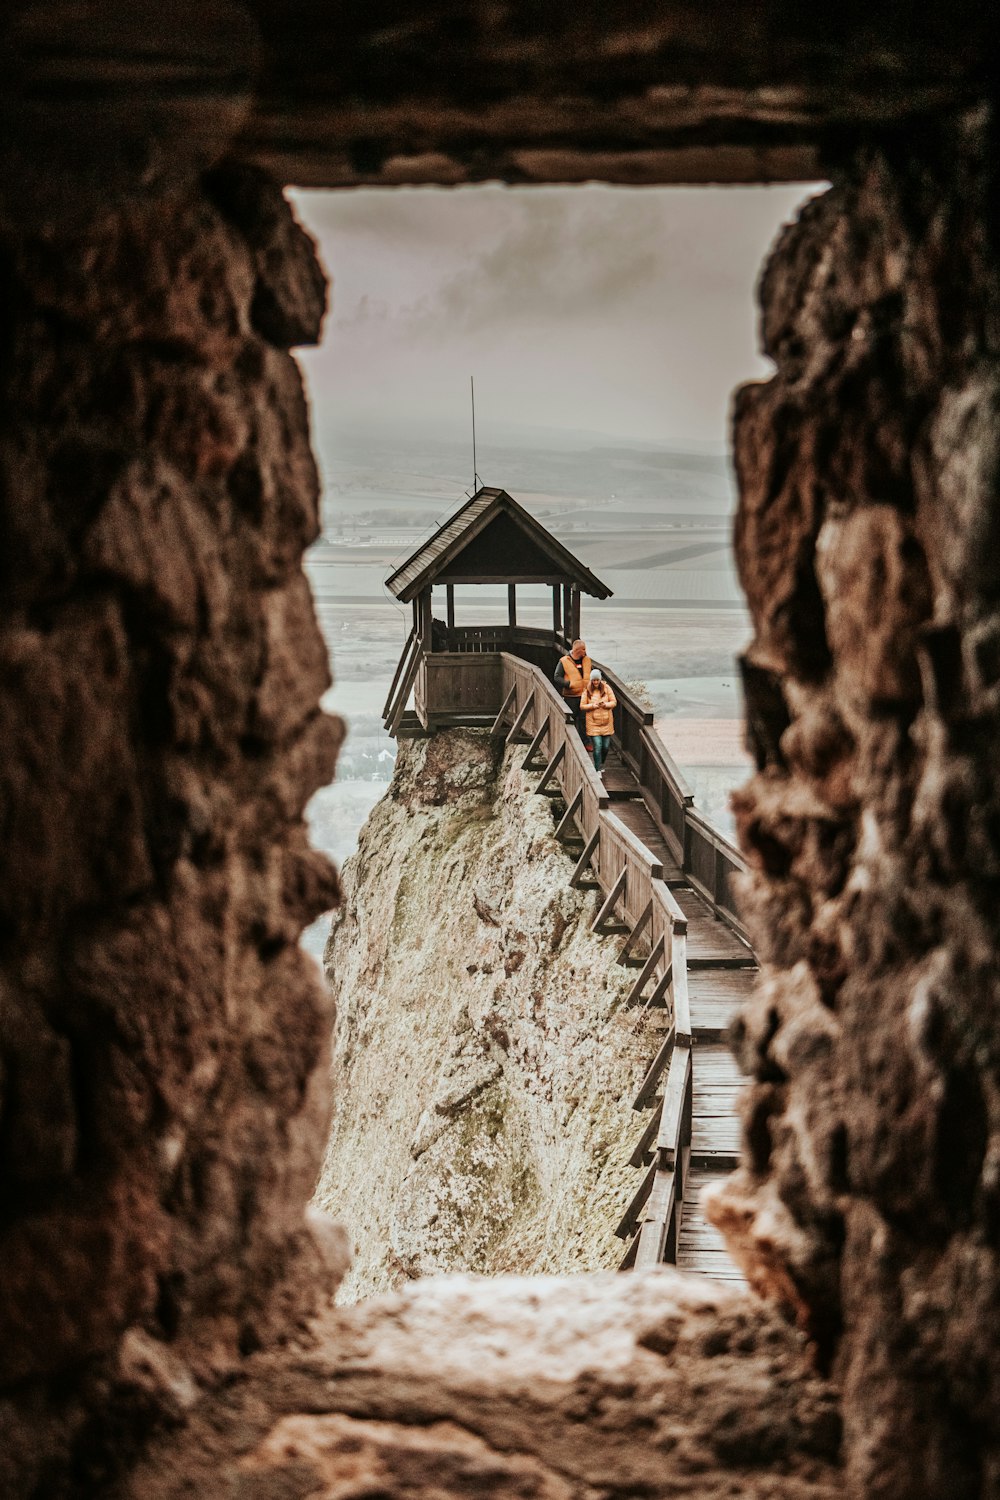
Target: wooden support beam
[[552, 766], [533, 748], [660, 989], [512, 605], [630, 1218], [498, 721], [634, 935], [450, 596], [646, 1145], [648, 1085], [588, 853], [522, 714], [642, 979], [400, 668], [556, 614], [568, 613], [405, 688], [615, 894], [424, 613], [628, 1259], [570, 813]]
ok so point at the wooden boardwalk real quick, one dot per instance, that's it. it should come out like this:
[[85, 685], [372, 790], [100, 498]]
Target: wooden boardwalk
[[721, 974], [664, 881]]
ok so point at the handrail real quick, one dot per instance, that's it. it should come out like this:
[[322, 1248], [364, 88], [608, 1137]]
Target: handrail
[[631, 880], [724, 845], [623, 695], [682, 1005], [666, 763], [707, 858]]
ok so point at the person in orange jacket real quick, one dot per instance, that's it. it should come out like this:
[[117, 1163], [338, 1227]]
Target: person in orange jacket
[[571, 677], [598, 702]]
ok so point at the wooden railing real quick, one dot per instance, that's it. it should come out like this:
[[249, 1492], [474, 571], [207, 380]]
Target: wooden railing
[[635, 898], [452, 686], [521, 639], [466, 681], [666, 1142], [709, 860]]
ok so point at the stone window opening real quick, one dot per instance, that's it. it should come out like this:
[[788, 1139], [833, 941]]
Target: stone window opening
[[458, 1173]]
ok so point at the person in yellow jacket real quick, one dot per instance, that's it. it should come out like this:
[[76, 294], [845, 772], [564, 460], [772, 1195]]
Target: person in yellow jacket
[[571, 677], [598, 702]]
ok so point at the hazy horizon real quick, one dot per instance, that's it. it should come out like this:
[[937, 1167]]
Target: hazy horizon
[[584, 313]]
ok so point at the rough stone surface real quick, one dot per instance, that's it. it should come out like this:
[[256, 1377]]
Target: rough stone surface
[[866, 538], [449, 91], [162, 1092], [483, 1066], [555, 1389], [160, 676]]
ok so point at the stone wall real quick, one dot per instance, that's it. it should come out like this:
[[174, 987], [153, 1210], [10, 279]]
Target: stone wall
[[163, 1097], [867, 545], [162, 1101]]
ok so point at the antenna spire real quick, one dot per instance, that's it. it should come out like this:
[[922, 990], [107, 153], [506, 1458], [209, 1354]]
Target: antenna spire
[[475, 471]]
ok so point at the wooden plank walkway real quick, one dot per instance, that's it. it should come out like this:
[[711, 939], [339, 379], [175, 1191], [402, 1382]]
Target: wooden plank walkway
[[715, 1126], [722, 971], [716, 995], [700, 1246], [711, 944], [699, 969], [636, 818]]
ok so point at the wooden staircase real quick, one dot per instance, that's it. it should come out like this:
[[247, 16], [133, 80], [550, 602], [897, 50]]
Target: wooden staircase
[[663, 879]]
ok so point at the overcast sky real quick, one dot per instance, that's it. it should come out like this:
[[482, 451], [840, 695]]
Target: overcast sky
[[626, 312]]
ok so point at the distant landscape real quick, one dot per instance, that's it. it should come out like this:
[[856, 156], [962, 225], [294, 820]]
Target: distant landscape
[[652, 522]]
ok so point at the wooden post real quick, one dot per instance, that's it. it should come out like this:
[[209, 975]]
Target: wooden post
[[635, 993], [556, 615], [576, 613], [450, 592], [540, 734], [498, 721], [615, 894], [425, 619], [552, 767], [512, 605], [573, 808], [577, 877], [568, 614]]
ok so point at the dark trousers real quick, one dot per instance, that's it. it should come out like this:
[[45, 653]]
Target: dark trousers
[[579, 717]]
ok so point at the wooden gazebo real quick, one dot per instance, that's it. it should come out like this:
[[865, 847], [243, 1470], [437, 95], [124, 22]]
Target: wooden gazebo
[[491, 539]]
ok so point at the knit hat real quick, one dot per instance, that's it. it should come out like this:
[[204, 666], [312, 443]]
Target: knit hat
[[595, 675]]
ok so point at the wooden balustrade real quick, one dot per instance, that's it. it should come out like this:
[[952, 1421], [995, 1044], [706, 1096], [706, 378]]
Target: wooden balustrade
[[707, 857], [532, 698], [453, 686], [479, 680], [631, 881], [712, 865]]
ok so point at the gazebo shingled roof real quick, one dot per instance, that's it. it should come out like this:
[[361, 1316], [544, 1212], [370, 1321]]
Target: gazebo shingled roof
[[545, 558]]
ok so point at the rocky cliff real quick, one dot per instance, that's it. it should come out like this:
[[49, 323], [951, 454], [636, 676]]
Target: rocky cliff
[[483, 1062]]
